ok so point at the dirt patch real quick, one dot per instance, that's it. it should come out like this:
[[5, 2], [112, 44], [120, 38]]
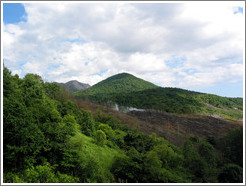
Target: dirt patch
[[177, 128]]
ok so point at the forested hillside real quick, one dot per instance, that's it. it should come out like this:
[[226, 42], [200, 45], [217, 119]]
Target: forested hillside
[[127, 90], [48, 139], [120, 83]]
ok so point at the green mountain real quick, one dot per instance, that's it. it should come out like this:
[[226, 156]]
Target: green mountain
[[127, 90], [120, 83]]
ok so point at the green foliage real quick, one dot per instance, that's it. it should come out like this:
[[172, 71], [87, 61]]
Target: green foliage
[[231, 173], [70, 125], [127, 90], [193, 161], [153, 165], [107, 130], [55, 92], [119, 83], [206, 151], [108, 119], [115, 137], [55, 116], [22, 136], [167, 155], [207, 154], [201, 160], [125, 169], [221, 102], [87, 123], [32, 88], [232, 147], [75, 142], [100, 137], [9, 85], [40, 174], [43, 174], [139, 141], [119, 138], [64, 178]]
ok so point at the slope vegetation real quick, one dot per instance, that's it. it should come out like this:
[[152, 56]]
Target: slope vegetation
[[120, 83], [127, 90]]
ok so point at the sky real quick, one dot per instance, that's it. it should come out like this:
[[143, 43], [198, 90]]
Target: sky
[[191, 45]]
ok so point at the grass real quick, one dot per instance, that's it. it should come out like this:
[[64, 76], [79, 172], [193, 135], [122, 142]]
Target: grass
[[87, 147]]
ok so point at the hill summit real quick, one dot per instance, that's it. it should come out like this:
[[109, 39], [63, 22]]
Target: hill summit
[[74, 85], [120, 83]]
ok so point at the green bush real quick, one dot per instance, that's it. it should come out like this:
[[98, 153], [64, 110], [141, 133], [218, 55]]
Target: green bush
[[100, 137], [231, 173]]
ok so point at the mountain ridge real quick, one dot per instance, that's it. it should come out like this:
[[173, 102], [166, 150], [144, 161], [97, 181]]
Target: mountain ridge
[[127, 90], [74, 85]]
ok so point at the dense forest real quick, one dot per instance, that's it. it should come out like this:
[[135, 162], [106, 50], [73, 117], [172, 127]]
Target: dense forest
[[47, 138], [128, 90]]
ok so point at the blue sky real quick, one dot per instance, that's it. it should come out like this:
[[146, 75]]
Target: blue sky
[[225, 89], [238, 10], [13, 13], [171, 45]]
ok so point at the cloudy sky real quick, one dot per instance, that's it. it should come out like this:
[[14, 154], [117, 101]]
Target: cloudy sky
[[196, 46]]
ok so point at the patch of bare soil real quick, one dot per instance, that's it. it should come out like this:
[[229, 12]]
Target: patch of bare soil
[[176, 128]]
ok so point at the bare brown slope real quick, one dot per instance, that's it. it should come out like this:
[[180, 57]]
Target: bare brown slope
[[176, 128], [131, 121]]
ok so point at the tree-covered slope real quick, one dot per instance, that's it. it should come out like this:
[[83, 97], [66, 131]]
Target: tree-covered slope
[[127, 90], [120, 83], [180, 101]]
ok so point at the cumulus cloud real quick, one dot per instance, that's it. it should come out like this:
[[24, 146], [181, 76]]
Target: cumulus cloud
[[187, 45]]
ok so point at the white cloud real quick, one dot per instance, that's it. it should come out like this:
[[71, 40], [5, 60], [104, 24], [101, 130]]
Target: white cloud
[[145, 62], [18, 72], [90, 42]]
